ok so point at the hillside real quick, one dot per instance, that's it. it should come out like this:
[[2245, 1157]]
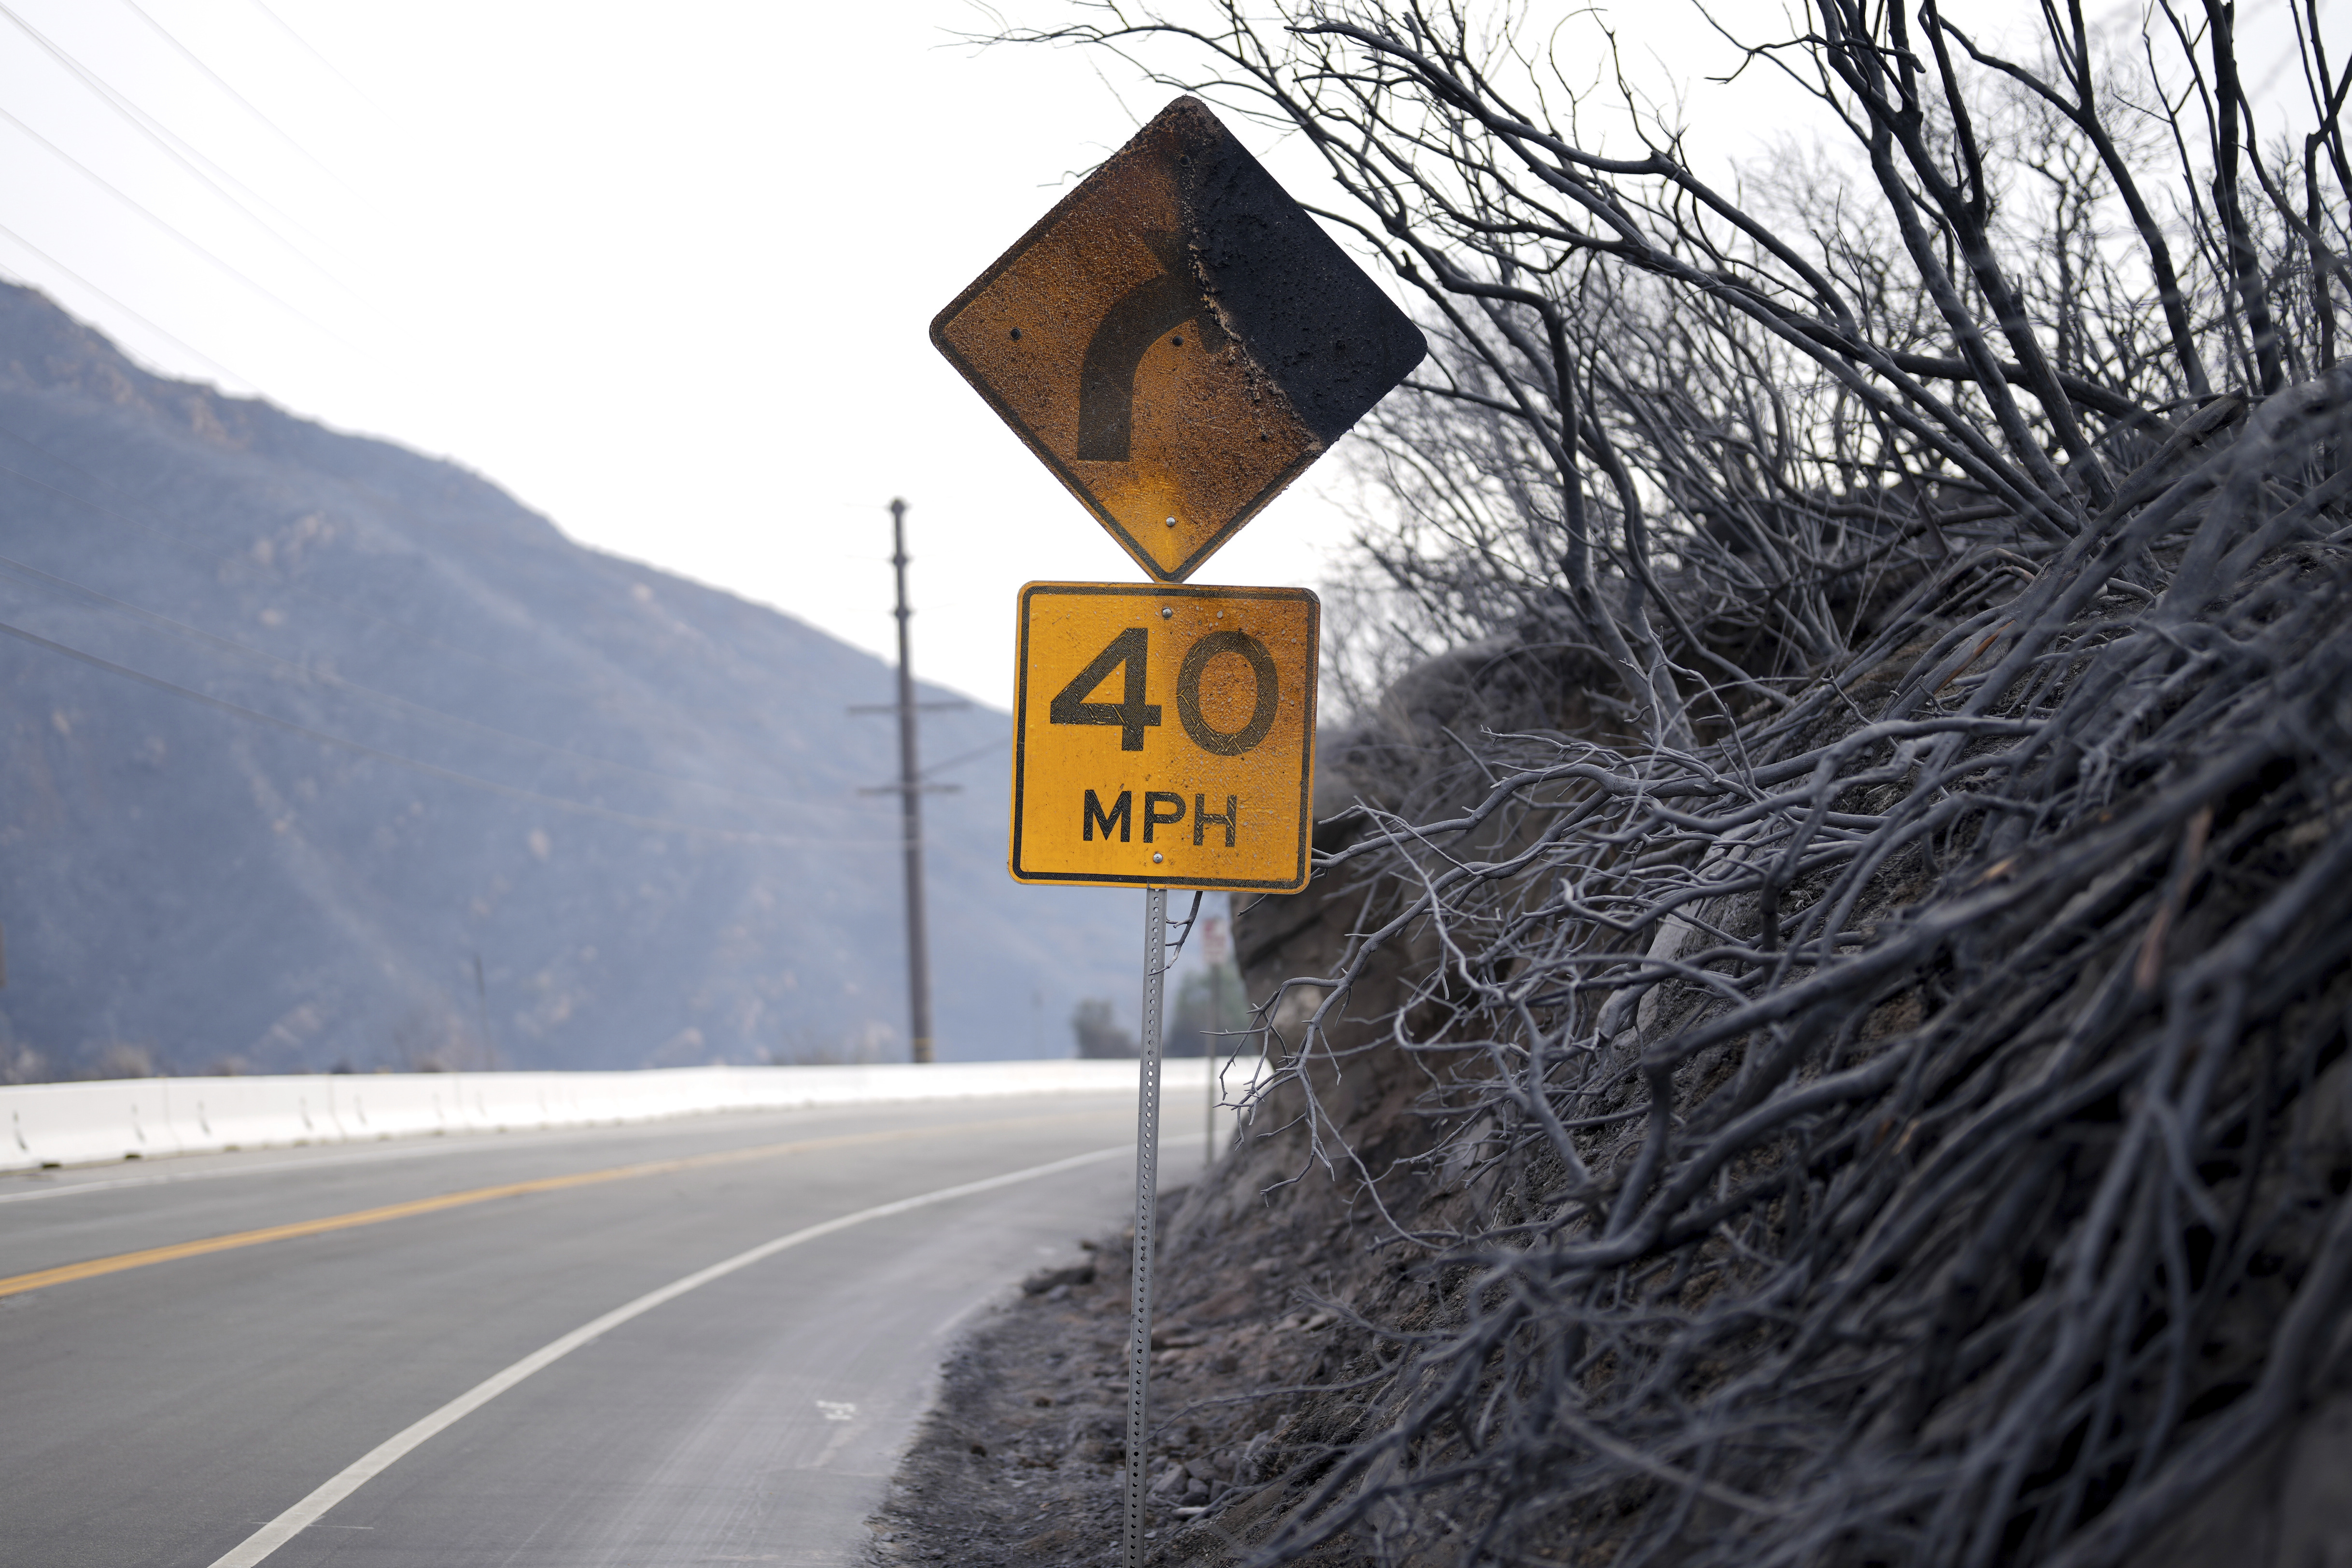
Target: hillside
[[300, 726]]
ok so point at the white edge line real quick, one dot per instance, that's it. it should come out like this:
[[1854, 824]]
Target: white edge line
[[262, 1543]]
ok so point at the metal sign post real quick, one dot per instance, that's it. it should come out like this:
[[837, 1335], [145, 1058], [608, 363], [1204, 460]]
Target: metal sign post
[[1147, 1199]]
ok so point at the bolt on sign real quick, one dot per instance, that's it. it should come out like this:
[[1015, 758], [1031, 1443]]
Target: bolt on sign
[[1178, 339], [1164, 736]]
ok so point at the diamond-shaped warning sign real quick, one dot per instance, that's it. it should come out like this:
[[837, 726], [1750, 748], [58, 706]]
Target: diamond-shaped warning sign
[[1178, 339]]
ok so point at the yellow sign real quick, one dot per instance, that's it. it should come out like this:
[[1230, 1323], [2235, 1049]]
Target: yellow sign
[[1178, 339], [1164, 736]]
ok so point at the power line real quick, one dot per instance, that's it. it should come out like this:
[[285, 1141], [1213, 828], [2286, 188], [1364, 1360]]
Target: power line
[[178, 539], [244, 103], [283, 26], [179, 151], [143, 211], [178, 148], [167, 336], [962, 757], [451, 774], [323, 678]]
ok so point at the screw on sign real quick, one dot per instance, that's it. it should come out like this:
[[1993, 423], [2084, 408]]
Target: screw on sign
[[1178, 339]]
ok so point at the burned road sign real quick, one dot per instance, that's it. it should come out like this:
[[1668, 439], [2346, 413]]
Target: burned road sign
[[1178, 339], [1164, 736]]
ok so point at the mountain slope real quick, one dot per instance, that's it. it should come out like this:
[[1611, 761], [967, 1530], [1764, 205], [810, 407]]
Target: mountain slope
[[370, 721]]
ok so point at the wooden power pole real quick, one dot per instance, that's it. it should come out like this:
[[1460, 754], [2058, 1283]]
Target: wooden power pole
[[911, 790], [910, 812]]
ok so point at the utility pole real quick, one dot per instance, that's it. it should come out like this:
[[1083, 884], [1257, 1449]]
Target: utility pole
[[911, 790], [910, 813]]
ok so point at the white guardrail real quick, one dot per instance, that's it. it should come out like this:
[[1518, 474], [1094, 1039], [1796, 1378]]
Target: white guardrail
[[43, 1124]]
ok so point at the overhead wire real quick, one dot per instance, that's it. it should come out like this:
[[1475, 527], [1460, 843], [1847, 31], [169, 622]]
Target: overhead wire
[[180, 151], [453, 775], [179, 539], [962, 757], [189, 158], [304, 44], [169, 142], [315, 676], [143, 211], [243, 102], [162, 332]]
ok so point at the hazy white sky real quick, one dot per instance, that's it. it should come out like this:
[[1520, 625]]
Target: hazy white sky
[[663, 272]]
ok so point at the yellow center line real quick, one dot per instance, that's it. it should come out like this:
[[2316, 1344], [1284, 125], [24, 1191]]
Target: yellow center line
[[66, 1273]]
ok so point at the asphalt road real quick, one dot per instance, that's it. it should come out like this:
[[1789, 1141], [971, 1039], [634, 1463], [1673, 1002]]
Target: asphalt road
[[167, 1413]]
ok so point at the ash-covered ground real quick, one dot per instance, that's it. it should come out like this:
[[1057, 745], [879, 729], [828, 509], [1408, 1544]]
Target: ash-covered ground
[[1021, 1461]]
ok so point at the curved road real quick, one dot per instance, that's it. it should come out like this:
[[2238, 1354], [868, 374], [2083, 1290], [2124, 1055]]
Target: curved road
[[414, 1386]]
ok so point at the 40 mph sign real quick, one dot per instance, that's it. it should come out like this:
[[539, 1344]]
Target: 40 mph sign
[[1164, 735]]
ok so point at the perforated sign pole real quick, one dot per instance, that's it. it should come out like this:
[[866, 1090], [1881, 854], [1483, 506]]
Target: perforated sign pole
[[1147, 1198], [1163, 735]]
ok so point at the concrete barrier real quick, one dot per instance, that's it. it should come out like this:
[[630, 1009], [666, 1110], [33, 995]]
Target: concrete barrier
[[46, 1124]]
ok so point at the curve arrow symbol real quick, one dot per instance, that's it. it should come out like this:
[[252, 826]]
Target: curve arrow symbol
[[1141, 316]]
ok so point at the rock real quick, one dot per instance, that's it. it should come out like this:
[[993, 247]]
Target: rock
[[1046, 1280]]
